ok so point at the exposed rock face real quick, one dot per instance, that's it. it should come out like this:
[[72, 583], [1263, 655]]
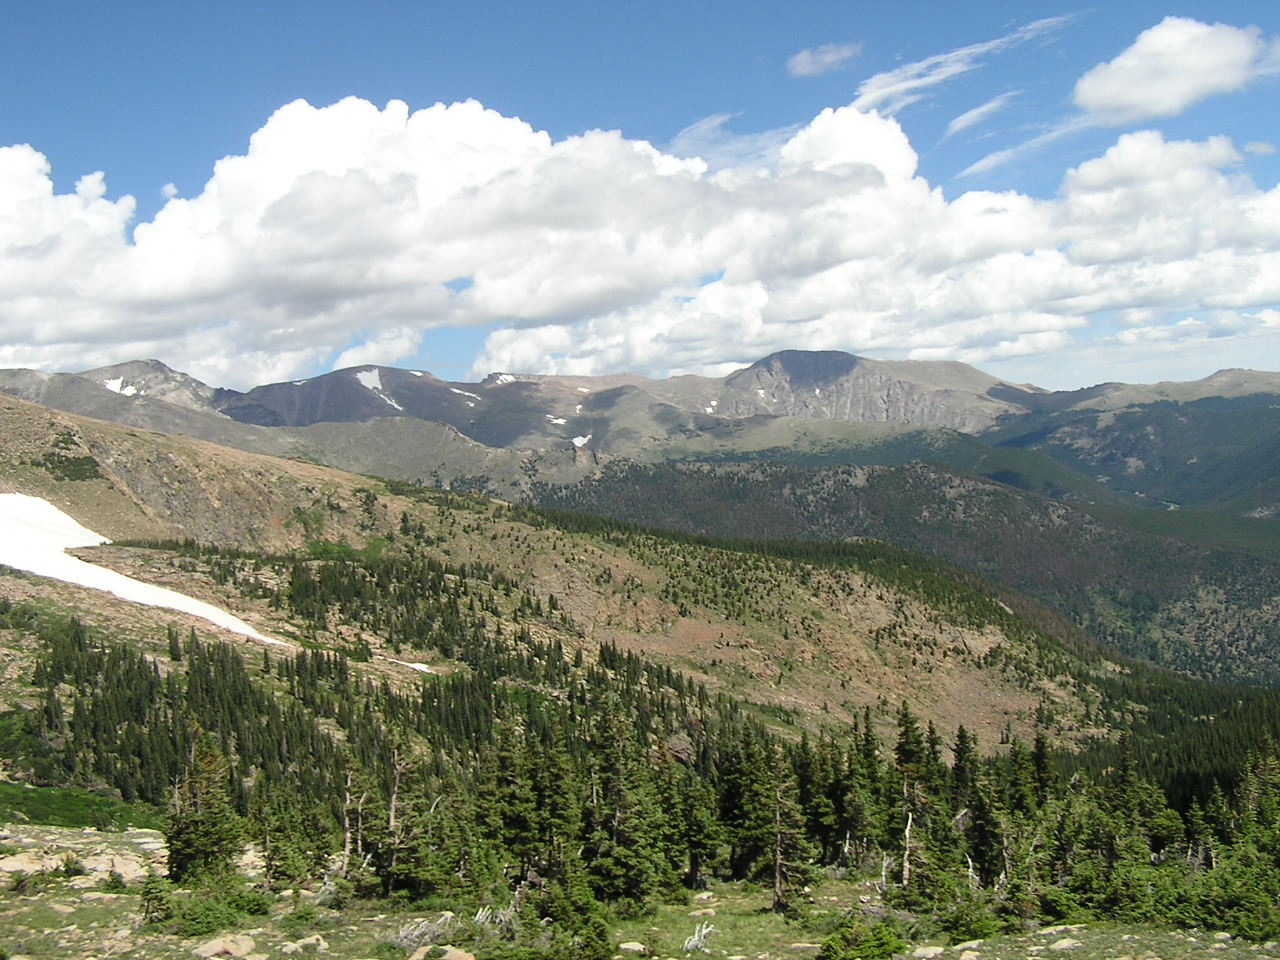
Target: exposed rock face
[[829, 385], [129, 853], [151, 378]]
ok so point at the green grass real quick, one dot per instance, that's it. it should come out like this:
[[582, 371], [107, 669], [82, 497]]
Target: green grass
[[72, 807]]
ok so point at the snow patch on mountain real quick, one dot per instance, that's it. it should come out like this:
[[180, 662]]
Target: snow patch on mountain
[[371, 379], [117, 385], [37, 535]]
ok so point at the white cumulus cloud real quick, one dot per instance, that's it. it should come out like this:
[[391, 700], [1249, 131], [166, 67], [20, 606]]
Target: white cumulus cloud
[[339, 236], [1170, 67]]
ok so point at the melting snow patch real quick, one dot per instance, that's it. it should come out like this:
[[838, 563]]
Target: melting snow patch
[[582, 441], [583, 390], [420, 667], [760, 393], [504, 378], [577, 409], [371, 379], [817, 392], [36, 536], [416, 373], [558, 420], [463, 393], [117, 385]]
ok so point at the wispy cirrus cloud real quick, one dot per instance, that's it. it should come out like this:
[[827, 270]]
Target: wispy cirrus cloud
[[815, 61], [971, 118], [998, 158], [892, 90], [711, 140]]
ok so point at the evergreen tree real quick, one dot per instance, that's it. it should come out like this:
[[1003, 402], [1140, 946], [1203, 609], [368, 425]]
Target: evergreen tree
[[204, 834]]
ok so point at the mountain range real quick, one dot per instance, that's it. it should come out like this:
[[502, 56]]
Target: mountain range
[[1141, 512], [1207, 443]]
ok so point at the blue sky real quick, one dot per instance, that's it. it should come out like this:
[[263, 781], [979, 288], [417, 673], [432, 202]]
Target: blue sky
[[1007, 214]]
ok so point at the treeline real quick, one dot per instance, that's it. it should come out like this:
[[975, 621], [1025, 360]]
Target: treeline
[[559, 787]]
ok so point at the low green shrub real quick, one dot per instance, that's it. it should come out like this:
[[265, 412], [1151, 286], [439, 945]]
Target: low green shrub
[[858, 939]]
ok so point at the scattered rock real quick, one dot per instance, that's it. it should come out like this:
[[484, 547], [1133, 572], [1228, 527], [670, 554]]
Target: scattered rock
[[1060, 928], [441, 952], [968, 945], [1222, 935], [1066, 943], [632, 946], [927, 953], [704, 912], [315, 942], [433, 952], [806, 946], [63, 908], [704, 896], [232, 945], [970, 955]]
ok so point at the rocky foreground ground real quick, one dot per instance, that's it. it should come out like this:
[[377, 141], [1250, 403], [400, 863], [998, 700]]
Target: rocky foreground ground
[[60, 898]]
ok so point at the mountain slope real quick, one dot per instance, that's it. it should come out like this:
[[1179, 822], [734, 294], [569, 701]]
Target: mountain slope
[[774, 629], [1210, 612]]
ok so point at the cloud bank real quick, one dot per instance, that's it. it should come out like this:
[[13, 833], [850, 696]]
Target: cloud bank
[[346, 234]]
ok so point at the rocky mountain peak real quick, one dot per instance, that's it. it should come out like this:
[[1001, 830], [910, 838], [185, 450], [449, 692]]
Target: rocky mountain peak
[[152, 378]]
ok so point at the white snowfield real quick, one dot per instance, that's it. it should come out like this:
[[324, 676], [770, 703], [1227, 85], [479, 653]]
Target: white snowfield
[[34, 535], [420, 667]]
